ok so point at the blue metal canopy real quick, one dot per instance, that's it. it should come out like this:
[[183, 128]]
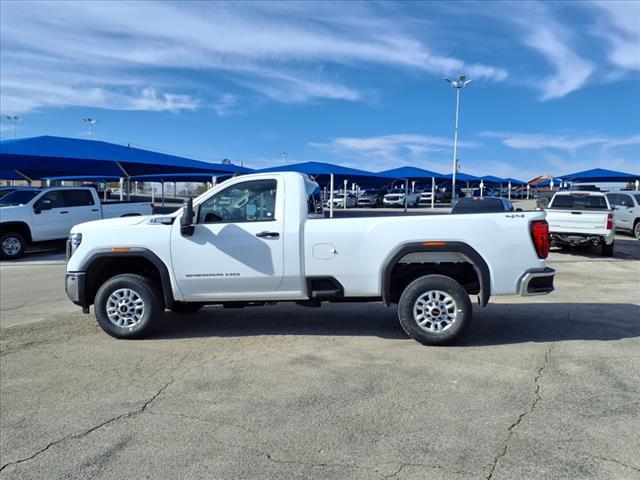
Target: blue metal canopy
[[464, 177], [412, 173], [514, 181], [46, 156], [600, 175], [492, 179], [322, 171]]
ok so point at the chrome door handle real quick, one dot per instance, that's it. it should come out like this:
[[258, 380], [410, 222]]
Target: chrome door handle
[[63, 212], [268, 234]]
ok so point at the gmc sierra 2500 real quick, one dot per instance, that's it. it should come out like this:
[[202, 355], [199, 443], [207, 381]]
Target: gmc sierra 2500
[[243, 244]]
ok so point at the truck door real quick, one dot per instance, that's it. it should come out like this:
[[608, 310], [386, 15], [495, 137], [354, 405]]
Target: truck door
[[48, 217], [237, 244], [81, 206]]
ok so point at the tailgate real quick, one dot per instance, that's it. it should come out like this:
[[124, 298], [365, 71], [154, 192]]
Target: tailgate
[[577, 221]]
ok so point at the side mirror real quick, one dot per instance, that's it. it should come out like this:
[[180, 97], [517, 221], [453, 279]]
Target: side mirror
[[186, 220], [42, 206]]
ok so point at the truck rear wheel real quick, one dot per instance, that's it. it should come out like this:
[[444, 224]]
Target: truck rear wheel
[[128, 306], [607, 250], [12, 245], [434, 310]]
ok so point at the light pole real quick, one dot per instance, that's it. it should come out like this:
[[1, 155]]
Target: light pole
[[91, 122], [284, 156], [457, 85], [14, 119]]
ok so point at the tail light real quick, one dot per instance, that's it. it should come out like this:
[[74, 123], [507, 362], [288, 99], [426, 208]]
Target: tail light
[[540, 237], [610, 221]]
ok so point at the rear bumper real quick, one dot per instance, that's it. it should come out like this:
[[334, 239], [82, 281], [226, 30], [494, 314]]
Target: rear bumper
[[537, 282], [574, 239]]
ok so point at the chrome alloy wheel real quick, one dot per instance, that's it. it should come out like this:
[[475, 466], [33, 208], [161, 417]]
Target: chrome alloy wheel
[[125, 308], [435, 311], [11, 246]]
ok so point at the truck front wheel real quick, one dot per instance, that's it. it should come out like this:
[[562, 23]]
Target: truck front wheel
[[434, 310], [12, 245], [128, 306]]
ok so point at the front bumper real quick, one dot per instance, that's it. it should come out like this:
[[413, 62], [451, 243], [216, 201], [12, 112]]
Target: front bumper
[[538, 281], [75, 284]]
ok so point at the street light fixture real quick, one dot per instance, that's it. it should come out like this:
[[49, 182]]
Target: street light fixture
[[457, 85], [14, 119], [91, 122]]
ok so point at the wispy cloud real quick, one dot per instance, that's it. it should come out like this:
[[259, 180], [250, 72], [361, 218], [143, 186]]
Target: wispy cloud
[[567, 143], [390, 147], [621, 30], [225, 104], [274, 49]]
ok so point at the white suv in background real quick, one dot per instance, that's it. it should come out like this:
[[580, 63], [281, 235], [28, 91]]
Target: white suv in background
[[626, 210]]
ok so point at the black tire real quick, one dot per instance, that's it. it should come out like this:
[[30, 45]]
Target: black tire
[[146, 290], [607, 250], [425, 334], [186, 307], [12, 245], [636, 229]]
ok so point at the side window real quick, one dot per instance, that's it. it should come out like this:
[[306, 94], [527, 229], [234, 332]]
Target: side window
[[253, 201], [54, 198], [613, 199], [625, 201], [77, 198], [314, 202]]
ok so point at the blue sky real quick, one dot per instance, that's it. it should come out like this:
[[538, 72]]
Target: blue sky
[[555, 85]]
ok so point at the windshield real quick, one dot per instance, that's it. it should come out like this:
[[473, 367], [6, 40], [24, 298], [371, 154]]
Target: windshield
[[476, 205], [18, 197], [637, 196], [580, 201]]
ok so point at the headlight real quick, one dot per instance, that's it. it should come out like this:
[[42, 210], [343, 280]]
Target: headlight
[[75, 239]]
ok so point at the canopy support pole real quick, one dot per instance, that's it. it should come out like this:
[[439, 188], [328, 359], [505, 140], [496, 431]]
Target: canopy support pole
[[637, 185], [153, 192], [331, 196], [128, 177], [344, 201], [214, 181], [413, 186], [528, 189], [24, 176], [162, 183], [104, 195], [175, 189], [509, 187], [406, 195], [481, 188], [433, 192], [121, 187]]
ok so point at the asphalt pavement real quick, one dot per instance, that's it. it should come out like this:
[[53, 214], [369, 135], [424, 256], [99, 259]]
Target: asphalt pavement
[[540, 387]]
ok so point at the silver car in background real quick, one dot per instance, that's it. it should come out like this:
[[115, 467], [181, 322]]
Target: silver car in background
[[626, 210]]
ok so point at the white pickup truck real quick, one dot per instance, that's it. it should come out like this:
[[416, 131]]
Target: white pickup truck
[[30, 215], [263, 238], [581, 218]]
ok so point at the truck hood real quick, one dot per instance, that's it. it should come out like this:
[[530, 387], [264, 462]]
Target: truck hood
[[111, 223]]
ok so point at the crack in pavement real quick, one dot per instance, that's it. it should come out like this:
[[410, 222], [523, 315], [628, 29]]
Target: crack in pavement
[[373, 468], [75, 436], [612, 460], [92, 429], [523, 415]]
